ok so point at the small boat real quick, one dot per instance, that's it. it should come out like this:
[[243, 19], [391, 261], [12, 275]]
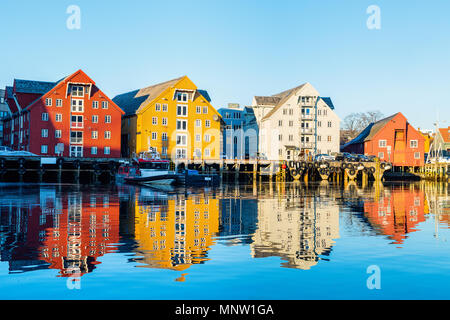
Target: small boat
[[194, 178], [147, 169]]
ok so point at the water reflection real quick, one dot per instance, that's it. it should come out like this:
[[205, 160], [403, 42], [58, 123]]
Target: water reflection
[[69, 228]]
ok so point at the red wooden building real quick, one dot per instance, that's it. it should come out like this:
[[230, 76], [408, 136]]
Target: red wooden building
[[392, 139], [72, 112]]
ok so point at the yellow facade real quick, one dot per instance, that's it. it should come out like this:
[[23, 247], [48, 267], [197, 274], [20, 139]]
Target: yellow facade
[[182, 114], [176, 235]]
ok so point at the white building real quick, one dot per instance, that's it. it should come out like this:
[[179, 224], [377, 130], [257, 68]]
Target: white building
[[296, 123]]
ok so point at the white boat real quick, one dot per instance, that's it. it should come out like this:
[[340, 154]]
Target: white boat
[[147, 169]]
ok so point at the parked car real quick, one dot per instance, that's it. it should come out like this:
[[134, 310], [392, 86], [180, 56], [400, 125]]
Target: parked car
[[23, 154], [439, 160], [324, 157], [364, 158], [5, 149]]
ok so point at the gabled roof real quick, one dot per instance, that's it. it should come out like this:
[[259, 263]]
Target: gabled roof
[[371, 130], [35, 87], [284, 96], [9, 92], [267, 101], [445, 133], [132, 101], [205, 94]]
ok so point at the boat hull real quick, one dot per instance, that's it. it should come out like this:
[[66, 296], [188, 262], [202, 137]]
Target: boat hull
[[166, 179]]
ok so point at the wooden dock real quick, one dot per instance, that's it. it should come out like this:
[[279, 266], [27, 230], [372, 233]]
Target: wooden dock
[[93, 170]]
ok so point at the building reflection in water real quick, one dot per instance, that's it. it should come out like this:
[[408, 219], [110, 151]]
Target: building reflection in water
[[174, 231], [299, 227], [397, 212], [67, 231]]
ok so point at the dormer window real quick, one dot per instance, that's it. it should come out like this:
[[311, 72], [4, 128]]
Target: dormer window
[[77, 91], [182, 96]]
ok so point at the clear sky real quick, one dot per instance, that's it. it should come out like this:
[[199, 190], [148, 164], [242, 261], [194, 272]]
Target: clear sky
[[236, 49]]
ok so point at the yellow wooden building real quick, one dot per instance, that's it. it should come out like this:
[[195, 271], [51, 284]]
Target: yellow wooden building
[[175, 117]]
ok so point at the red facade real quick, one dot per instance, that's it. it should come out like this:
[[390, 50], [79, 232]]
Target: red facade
[[73, 112], [392, 139]]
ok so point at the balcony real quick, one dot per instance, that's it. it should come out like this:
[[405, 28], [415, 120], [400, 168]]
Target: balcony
[[307, 117], [307, 131], [307, 145]]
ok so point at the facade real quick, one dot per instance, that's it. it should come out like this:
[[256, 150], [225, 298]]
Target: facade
[[296, 123], [175, 117], [240, 136], [71, 118], [444, 137], [391, 139], [4, 112]]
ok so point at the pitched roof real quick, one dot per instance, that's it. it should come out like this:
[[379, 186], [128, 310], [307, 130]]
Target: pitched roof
[[445, 133], [267, 101], [371, 130], [205, 94], [284, 96], [9, 92], [130, 102], [30, 86]]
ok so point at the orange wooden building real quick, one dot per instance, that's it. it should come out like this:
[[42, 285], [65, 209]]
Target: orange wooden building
[[391, 139]]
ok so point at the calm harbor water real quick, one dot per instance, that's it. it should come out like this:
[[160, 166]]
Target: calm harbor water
[[269, 241]]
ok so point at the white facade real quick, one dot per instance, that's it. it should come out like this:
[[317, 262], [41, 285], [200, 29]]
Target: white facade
[[289, 123]]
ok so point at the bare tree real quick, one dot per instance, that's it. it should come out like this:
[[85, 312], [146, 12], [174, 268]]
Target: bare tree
[[354, 123]]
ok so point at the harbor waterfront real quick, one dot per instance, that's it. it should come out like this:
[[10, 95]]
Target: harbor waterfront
[[270, 240]]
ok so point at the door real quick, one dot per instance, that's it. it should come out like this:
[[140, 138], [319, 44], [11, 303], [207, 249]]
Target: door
[[400, 147]]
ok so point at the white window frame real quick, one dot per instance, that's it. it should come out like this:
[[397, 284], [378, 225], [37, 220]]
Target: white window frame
[[94, 104], [59, 102], [417, 156], [95, 118], [77, 107], [92, 150], [48, 102], [154, 121], [58, 117], [182, 122], [94, 135], [157, 107], [44, 133], [105, 105], [107, 135], [207, 138], [154, 135], [198, 123], [107, 150], [164, 121], [44, 149], [382, 143], [207, 123], [205, 109], [44, 116], [416, 144], [58, 134], [75, 91], [107, 118], [183, 140], [165, 107], [184, 107]]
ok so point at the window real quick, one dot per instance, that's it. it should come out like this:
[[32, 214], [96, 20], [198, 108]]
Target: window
[[414, 144], [416, 155], [44, 149], [107, 135], [181, 125], [94, 104], [107, 119], [198, 123], [284, 111], [154, 136], [182, 111], [205, 110], [154, 121], [207, 123], [291, 123], [93, 150], [280, 123], [76, 137], [165, 107], [44, 116], [280, 152], [164, 136], [58, 134], [107, 150], [44, 133], [207, 153], [182, 96], [319, 113], [198, 138], [94, 134], [198, 109], [280, 137], [330, 124], [319, 139], [164, 121], [77, 105], [58, 117], [164, 151], [59, 102], [181, 140], [95, 119], [181, 153], [76, 122], [77, 91], [291, 137], [104, 104], [319, 124], [157, 107], [207, 138], [381, 155], [76, 151], [329, 138], [382, 143]]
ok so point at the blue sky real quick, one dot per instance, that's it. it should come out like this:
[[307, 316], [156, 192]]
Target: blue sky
[[238, 49]]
